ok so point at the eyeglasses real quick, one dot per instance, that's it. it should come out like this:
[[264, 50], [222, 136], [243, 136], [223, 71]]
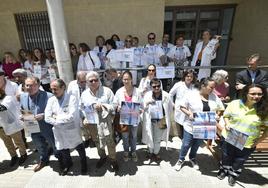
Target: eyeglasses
[[93, 80], [150, 70], [256, 94], [127, 40], [156, 86], [151, 38]]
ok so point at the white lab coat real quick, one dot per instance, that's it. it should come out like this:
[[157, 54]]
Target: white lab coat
[[166, 49], [112, 60], [175, 53], [207, 56], [73, 89], [180, 90], [85, 63], [147, 137], [10, 118], [65, 120]]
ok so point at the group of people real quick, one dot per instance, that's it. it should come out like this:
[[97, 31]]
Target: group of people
[[57, 116]]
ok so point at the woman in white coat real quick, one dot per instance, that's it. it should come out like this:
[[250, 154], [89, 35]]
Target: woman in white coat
[[131, 94], [205, 52], [110, 56], [198, 100], [156, 118], [180, 89], [10, 128], [62, 111]]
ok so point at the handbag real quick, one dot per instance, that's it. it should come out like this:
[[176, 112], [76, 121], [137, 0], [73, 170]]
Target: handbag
[[162, 123], [117, 126]]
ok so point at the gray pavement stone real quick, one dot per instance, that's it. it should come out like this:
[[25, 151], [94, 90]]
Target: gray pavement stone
[[130, 175]]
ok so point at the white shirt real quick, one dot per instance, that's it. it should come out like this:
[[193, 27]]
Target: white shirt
[[180, 53], [153, 54], [192, 101], [167, 48], [85, 62], [11, 88], [112, 60], [180, 90]]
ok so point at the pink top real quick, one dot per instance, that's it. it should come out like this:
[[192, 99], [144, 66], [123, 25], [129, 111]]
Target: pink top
[[8, 68], [128, 99], [222, 90]]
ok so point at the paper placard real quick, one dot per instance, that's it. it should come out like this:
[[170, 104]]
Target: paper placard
[[37, 71], [165, 72], [236, 138], [52, 74], [138, 60], [156, 110], [31, 124], [129, 113], [125, 55], [119, 44], [204, 125], [91, 115]]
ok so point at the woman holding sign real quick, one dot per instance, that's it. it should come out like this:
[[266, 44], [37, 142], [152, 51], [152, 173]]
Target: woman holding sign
[[156, 118], [195, 102], [127, 102], [243, 130]]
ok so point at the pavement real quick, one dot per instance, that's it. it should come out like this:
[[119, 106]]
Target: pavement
[[131, 174]]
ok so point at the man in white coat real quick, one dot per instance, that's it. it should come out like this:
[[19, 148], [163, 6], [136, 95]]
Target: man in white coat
[[63, 113]]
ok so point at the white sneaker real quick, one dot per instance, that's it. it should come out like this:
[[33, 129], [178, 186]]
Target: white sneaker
[[125, 157], [178, 165], [194, 164]]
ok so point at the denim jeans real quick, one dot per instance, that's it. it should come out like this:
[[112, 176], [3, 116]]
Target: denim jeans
[[233, 159], [189, 142], [41, 139], [130, 138]]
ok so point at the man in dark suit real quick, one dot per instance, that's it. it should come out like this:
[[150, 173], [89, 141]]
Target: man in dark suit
[[251, 75]]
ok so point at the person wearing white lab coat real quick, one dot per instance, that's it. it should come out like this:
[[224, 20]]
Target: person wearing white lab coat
[[62, 112], [88, 60], [180, 89], [179, 54], [165, 45], [10, 128], [156, 125], [153, 53], [205, 52], [100, 49], [110, 56]]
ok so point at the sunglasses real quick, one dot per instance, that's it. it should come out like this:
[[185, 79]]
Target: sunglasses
[[93, 80], [150, 70], [156, 86], [151, 38]]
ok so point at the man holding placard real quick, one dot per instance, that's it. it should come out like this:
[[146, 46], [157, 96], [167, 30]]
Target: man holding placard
[[33, 104]]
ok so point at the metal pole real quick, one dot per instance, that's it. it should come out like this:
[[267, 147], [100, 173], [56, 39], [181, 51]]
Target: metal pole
[[60, 40]]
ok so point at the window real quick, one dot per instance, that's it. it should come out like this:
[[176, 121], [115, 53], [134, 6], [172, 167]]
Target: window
[[34, 30], [191, 21]]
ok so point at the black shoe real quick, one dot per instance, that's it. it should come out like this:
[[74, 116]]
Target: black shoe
[[115, 166], [91, 143], [65, 170], [101, 162], [221, 175], [83, 170], [231, 180], [86, 143], [40, 166], [13, 161], [22, 159]]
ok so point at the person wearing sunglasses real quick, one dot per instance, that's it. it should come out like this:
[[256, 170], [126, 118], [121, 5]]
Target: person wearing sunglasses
[[154, 54], [247, 116], [144, 85], [97, 101], [156, 119], [74, 57], [165, 45]]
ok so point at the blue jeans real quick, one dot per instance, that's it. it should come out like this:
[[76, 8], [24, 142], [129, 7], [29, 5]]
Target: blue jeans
[[130, 138], [189, 142], [41, 139]]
